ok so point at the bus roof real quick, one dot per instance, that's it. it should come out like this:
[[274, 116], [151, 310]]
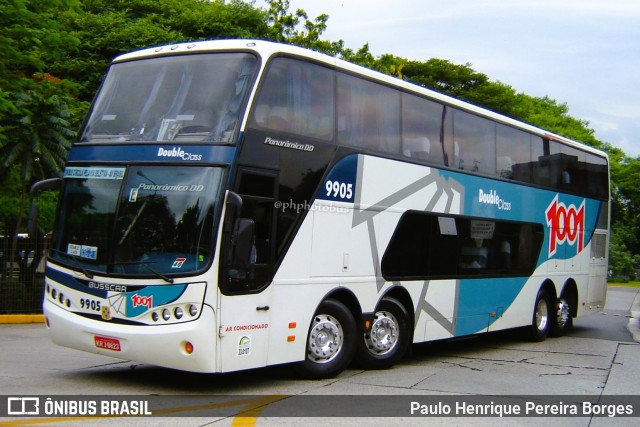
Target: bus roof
[[267, 49]]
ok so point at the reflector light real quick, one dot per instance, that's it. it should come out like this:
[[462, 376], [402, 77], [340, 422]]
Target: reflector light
[[292, 325], [291, 338], [193, 310], [188, 347]]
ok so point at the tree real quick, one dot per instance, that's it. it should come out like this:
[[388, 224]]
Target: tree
[[109, 28], [38, 140], [30, 36], [285, 27], [76, 39]]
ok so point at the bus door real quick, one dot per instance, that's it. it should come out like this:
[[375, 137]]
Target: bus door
[[245, 301]]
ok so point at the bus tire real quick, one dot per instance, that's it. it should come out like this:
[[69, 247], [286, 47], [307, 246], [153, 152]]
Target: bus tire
[[388, 339], [564, 317], [542, 317], [331, 341]]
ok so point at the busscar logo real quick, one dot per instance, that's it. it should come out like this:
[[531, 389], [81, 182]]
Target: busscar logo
[[111, 287]]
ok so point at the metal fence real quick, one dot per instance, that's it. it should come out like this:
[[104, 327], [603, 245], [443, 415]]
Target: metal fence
[[22, 278]]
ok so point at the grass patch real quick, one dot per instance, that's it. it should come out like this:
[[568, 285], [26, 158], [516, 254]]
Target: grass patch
[[629, 284]]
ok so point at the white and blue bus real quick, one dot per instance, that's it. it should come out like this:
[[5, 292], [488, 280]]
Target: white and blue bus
[[236, 204]]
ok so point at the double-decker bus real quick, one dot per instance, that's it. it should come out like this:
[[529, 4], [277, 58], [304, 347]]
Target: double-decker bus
[[236, 204]]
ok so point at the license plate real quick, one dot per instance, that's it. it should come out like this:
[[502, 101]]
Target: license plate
[[107, 343]]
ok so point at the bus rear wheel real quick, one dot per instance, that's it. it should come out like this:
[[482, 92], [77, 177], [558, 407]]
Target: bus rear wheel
[[386, 342], [542, 317], [330, 341], [564, 317]]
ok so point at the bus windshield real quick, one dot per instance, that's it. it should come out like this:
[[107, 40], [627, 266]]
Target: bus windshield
[[180, 98], [140, 220]]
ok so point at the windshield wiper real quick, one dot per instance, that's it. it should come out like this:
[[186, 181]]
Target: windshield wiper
[[77, 261], [145, 264], [157, 273]]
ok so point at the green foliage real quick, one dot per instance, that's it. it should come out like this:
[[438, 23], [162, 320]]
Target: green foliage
[[622, 262], [109, 28], [10, 196], [53, 56], [39, 135]]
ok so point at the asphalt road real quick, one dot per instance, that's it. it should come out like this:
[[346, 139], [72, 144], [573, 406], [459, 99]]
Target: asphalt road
[[598, 358]]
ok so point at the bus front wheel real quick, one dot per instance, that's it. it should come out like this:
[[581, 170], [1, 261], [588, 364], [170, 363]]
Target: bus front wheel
[[542, 316], [387, 340], [331, 341]]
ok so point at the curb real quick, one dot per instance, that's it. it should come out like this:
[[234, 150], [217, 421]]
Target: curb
[[13, 319], [634, 322]]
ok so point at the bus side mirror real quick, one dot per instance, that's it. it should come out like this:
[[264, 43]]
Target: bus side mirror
[[242, 244], [233, 206]]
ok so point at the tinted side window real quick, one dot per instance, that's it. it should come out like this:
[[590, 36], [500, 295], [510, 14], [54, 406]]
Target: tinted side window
[[513, 153], [368, 115], [474, 143], [296, 97], [421, 129], [597, 176], [426, 246]]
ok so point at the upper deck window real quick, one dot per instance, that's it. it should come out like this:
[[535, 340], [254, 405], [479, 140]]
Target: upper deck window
[[175, 98], [296, 97]]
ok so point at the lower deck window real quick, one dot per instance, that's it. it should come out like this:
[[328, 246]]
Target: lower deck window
[[428, 246]]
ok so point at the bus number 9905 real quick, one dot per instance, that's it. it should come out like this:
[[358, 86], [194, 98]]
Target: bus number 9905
[[90, 304], [339, 189]]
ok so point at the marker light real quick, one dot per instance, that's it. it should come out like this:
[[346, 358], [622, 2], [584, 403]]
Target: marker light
[[188, 347]]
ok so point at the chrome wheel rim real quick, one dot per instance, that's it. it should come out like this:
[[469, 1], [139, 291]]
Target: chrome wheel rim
[[325, 339], [564, 313], [542, 315], [383, 336]]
